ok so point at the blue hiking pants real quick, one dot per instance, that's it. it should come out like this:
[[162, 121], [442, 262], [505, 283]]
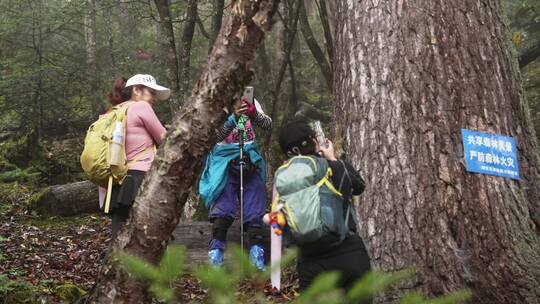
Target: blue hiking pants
[[224, 210]]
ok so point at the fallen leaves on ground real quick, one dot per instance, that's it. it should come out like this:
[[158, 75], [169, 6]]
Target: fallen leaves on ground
[[56, 252], [49, 252]]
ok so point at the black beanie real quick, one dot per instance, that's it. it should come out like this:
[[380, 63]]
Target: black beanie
[[296, 134]]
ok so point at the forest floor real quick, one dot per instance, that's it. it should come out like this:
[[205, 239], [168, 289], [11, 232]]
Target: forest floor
[[57, 259]]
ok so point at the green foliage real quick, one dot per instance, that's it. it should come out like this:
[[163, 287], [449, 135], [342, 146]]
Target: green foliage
[[218, 284], [6, 284], [15, 195], [20, 151], [373, 282], [69, 292], [5, 165], [28, 159], [323, 290], [16, 292], [222, 282], [172, 263], [61, 161], [455, 297], [19, 175], [22, 292], [160, 278], [139, 267]]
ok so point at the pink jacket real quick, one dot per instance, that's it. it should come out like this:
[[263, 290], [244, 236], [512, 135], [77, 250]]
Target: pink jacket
[[143, 130]]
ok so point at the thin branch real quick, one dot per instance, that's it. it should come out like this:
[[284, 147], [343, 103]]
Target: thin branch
[[314, 47], [329, 40], [283, 68], [201, 27]]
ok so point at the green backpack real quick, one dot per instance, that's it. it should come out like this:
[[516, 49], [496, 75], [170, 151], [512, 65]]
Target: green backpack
[[312, 206]]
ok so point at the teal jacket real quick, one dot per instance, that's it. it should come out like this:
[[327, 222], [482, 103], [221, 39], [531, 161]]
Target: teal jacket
[[216, 170]]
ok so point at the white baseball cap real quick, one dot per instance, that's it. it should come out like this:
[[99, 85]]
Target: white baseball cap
[[162, 93]]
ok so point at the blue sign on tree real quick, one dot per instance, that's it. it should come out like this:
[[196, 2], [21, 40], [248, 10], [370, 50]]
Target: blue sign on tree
[[490, 154]]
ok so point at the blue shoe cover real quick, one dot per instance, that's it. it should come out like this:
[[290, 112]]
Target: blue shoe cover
[[256, 256], [215, 257]]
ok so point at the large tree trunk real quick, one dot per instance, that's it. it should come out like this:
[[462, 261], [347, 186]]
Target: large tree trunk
[[409, 75], [177, 165], [168, 49]]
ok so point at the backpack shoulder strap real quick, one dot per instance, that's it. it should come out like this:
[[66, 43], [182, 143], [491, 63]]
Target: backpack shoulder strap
[[350, 208], [326, 181], [345, 174], [140, 154]]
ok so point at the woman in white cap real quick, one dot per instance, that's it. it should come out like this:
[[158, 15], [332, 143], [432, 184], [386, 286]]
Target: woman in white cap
[[144, 132]]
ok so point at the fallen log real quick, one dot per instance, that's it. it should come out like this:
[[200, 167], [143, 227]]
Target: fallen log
[[67, 200]]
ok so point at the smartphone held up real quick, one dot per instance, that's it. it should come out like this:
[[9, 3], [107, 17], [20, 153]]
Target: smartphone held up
[[319, 133], [248, 94]]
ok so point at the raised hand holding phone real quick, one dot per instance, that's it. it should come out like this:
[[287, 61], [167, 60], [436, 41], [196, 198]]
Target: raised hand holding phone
[[319, 133], [248, 94]]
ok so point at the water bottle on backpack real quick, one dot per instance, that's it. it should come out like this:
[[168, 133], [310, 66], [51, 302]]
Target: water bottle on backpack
[[117, 145]]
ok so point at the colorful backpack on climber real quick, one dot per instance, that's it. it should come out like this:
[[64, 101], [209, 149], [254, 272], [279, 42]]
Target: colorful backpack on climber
[[312, 206], [104, 157]]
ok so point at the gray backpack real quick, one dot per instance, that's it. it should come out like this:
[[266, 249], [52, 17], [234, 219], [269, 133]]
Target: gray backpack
[[312, 206]]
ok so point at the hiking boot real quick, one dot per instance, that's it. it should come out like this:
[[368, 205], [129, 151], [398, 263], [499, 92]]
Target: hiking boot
[[256, 256], [215, 257]]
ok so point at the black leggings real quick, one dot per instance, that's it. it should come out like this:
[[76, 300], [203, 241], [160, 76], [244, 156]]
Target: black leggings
[[351, 265], [119, 216], [122, 198]]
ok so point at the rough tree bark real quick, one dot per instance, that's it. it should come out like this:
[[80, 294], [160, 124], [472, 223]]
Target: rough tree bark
[[178, 162], [168, 47], [409, 75]]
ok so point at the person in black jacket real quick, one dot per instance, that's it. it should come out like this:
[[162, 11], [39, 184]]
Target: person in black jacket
[[350, 257]]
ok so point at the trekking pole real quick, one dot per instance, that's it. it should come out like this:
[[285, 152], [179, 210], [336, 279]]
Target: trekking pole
[[241, 133]]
